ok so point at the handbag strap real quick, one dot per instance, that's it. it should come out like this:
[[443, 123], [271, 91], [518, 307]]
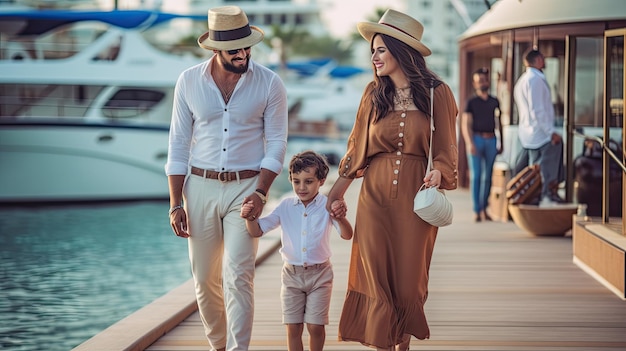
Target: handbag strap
[[432, 128]]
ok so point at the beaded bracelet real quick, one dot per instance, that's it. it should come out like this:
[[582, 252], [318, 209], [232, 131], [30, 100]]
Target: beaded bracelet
[[175, 208], [261, 196]]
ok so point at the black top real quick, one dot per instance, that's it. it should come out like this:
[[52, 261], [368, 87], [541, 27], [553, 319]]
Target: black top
[[483, 113]]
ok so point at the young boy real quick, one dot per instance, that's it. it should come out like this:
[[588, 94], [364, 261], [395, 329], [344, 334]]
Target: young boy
[[307, 274]]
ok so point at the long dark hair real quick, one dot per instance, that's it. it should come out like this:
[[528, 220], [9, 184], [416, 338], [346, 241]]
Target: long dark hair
[[413, 65]]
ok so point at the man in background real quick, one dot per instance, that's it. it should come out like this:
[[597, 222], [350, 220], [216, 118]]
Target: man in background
[[480, 120], [537, 132]]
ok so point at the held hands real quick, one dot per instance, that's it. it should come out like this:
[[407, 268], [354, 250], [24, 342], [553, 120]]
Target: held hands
[[246, 210], [178, 221], [252, 225], [255, 205], [433, 178], [338, 209]]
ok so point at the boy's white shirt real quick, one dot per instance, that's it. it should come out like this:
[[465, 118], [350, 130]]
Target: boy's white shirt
[[305, 231]]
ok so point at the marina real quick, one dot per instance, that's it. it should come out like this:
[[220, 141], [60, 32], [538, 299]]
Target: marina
[[88, 261]]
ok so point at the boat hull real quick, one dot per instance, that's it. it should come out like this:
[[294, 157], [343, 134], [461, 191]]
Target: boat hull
[[60, 161]]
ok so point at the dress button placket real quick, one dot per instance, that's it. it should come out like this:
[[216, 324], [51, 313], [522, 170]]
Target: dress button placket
[[396, 169]]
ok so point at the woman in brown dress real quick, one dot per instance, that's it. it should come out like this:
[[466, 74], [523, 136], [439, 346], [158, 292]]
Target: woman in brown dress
[[388, 147]]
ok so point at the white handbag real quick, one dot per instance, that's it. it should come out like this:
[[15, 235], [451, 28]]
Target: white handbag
[[431, 204]]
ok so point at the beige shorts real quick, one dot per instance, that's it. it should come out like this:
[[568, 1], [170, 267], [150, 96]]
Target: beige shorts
[[306, 292]]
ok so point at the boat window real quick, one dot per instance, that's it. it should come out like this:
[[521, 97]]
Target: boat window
[[128, 103], [60, 43], [554, 76], [588, 82], [500, 87], [615, 91], [47, 100], [111, 52]]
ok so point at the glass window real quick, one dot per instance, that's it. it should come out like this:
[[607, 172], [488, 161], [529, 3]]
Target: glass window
[[588, 82], [615, 121], [127, 103], [553, 74], [300, 19], [616, 81]]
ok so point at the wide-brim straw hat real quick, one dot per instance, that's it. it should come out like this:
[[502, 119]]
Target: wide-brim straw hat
[[397, 25], [229, 29]]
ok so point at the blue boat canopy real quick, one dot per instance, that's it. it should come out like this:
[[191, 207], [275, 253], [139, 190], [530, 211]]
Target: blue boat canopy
[[21, 23]]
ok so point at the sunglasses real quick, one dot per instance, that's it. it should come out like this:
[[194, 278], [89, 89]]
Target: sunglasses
[[234, 52]]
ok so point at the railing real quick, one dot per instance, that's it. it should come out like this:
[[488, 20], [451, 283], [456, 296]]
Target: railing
[[11, 106], [605, 148]]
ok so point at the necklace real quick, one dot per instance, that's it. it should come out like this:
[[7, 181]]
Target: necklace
[[403, 100], [227, 90]]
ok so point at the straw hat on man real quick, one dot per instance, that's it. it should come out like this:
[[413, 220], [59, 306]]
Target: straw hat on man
[[229, 30]]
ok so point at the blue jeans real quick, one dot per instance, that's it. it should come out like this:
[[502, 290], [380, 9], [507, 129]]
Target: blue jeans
[[481, 167]]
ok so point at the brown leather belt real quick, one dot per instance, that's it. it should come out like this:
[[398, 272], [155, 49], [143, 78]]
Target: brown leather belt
[[485, 134], [223, 176]]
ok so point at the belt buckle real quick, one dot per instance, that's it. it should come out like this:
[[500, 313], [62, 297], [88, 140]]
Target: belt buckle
[[224, 179]]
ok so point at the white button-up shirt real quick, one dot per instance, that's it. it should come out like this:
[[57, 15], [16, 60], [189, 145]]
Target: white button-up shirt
[[250, 132], [536, 112], [306, 230]]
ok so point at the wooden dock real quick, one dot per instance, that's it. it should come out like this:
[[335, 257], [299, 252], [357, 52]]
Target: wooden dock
[[493, 287]]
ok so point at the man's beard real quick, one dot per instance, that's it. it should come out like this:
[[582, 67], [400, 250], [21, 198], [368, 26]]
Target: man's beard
[[484, 88], [232, 68]]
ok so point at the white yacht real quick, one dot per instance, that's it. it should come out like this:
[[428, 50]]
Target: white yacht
[[85, 100], [85, 106]]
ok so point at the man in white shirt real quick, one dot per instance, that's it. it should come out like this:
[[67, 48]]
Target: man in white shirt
[[227, 144], [536, 124]]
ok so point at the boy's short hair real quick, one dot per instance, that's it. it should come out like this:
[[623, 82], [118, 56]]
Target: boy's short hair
[[306, 159]]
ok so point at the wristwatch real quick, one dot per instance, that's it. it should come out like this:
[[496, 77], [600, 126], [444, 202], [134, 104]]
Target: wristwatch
[[262, 195]]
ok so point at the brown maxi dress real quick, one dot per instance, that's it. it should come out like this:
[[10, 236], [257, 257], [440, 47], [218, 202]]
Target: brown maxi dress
[[392, 247]]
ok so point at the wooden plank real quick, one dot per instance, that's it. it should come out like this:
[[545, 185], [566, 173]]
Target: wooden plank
[[492, 287]]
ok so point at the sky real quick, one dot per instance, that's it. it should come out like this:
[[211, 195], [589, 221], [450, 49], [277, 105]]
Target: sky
[[342, 16]]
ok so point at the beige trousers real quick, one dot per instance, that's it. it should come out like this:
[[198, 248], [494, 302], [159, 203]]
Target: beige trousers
[[222, 256]]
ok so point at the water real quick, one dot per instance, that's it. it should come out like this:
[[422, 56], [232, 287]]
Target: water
[[69, 272]]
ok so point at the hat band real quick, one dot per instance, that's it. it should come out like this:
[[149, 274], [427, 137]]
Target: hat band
[[232, 34], [396, 28]]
